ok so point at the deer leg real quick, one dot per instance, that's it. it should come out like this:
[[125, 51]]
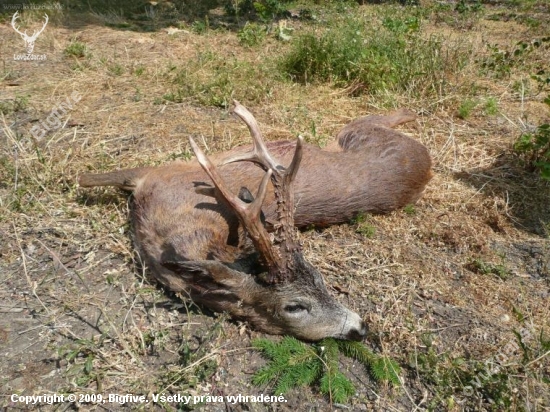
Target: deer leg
[[358, 132]]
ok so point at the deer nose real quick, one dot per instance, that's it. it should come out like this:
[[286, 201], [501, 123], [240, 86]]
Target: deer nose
[[357, 334]]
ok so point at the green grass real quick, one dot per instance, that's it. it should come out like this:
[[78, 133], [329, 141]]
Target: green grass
[[213, 80], [454, 380], [19, 103], [410, 209], [139, 70], [252, 34], [534, 149], [363, 225], [485, 268], [391, 58], [76, 49], [466, 107], [491, 106], [116, 69]]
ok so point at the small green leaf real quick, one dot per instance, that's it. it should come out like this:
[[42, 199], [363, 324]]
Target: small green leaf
[[88, 366]]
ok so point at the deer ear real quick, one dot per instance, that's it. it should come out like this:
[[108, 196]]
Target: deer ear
[[207, 274], [247, 197]]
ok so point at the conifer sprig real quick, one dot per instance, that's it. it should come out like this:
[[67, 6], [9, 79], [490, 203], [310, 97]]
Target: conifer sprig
[[293, 363]]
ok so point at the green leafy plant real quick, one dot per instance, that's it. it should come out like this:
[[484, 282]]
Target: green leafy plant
[[465, 6], [20, 102], [251, 34], [542, 79], [500, 62], [534, 149], [266, 10], [80, 357], [410, 209], [466, 107], [201, 26], [491, 106], [394, 57], [485, 268], [76, 49], [401, 26], [293, 363], [212, 80], [363, 225]]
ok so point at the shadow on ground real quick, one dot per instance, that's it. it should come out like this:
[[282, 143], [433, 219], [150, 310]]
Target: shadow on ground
[[149, 16], [527, 196]]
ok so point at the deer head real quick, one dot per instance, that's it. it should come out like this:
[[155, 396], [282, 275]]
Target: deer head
[[286, 295], [29, 40]]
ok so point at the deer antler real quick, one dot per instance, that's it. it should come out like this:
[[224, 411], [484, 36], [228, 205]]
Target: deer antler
[[248, 213], [36, 34], [279, 255], [25, 35], [13, 20], [282, 178]]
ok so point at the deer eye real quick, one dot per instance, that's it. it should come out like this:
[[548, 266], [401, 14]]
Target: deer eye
[[295, 308]]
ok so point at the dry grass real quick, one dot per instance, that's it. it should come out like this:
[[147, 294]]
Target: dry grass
[[79, 314]]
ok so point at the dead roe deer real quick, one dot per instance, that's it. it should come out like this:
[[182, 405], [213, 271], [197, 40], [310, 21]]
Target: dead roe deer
[[241, 254]]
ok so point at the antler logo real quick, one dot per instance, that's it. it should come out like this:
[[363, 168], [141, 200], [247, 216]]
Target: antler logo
[[29, 40]]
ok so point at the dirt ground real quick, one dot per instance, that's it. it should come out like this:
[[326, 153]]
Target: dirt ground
[[459, 277]]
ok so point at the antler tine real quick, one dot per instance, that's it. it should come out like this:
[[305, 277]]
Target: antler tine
[[43, 27], [260, 154], [13, 20], [249, 214], [296, 159]]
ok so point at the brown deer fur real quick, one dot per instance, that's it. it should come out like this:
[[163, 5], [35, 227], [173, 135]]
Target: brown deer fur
[[194, 242]]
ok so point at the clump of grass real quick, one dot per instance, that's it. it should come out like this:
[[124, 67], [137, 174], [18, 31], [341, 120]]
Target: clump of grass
[[116, 69], [76, 49], [491, 106], [394, 57], [410, 209], [363, 225], [534, 149], [293, 364], [214, 80], [486, 268], [466, 107], [464, 6], [139, 70], [20, 102], [251, 34], [201, 26]]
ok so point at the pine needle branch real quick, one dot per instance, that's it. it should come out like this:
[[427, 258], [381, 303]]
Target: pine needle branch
[[293, 363]]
